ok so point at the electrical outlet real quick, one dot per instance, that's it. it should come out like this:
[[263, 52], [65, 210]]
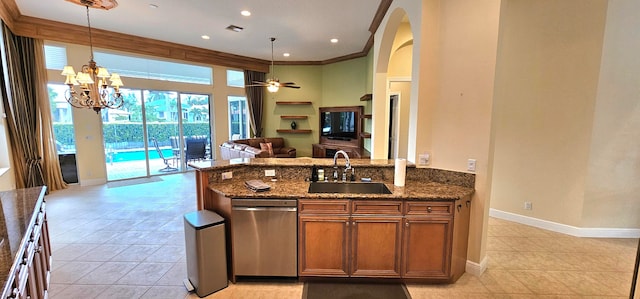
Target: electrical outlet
[[227, 175], [270, 172], [471, 165], [527, 205], [424, 159]]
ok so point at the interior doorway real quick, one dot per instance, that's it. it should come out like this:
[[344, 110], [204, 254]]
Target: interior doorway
[[393, 126]]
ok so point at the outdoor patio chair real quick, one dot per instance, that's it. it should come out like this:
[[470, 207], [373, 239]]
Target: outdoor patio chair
[[168, 167], [196, 149]]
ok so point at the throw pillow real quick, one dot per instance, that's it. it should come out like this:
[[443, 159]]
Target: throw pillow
[[267, 147]]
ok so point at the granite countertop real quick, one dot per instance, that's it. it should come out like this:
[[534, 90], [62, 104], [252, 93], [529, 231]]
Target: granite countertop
[[298, 189], [293, 185], [17, 209], [302, 161]]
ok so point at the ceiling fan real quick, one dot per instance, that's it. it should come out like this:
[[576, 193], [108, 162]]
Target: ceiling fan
[[273, 84]]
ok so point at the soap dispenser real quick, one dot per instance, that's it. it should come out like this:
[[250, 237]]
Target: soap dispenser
[[314, 173]]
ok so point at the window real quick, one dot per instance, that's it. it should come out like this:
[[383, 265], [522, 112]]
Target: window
[[238, 118], [136, 67], [55, 57], [235, 78], [146, 68]]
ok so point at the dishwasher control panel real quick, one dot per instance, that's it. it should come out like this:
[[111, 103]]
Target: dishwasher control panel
[[263, 202]]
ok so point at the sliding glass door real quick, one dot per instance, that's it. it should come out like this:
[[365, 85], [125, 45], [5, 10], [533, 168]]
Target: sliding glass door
[[196, 127], [147, 136]]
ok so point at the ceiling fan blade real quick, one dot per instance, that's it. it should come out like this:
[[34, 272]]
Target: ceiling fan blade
[[258, 83], [289, 85]]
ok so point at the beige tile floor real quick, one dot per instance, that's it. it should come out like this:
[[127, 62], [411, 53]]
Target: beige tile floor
[[127, 242]]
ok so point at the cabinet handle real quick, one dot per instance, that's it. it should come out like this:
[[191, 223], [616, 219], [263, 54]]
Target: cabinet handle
[[459, 207], [347, 223], [468, 203], [353, 223], [429, 209], [14, 293], [407, 224]]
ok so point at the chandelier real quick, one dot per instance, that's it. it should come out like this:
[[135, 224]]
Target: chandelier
[[89, 88]]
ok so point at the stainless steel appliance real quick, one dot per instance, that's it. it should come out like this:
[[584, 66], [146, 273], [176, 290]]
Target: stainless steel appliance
[[264, 236]]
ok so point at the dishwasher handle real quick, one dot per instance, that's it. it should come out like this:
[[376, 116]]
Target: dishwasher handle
[[274, 209]]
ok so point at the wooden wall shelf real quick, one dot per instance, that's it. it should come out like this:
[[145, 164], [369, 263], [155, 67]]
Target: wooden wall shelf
[[293, 103], [365, 135], [366, 97], [293, 131], [293, 116], [368, 116]]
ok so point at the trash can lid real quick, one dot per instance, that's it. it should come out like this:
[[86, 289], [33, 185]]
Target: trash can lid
[[203, 219]]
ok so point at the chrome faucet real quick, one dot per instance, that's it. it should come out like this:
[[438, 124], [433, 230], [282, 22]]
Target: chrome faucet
[[335, 165]]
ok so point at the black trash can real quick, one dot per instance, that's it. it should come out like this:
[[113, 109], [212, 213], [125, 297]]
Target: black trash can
[[204, 236]]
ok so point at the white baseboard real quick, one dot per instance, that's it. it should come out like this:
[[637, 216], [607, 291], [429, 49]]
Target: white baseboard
[[476, 269], [590, 232], [93, 182]]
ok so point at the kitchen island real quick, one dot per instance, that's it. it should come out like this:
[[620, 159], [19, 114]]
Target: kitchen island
[[418, 232]]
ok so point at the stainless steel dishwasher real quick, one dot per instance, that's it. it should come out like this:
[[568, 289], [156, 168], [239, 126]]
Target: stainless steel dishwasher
[[264, 233]]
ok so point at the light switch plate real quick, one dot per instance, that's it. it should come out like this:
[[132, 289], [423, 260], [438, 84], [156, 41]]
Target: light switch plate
[[227, 175], [471, 165], [270, 172]]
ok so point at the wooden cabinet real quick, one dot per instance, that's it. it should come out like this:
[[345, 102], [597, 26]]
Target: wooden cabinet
[[375, 246], [328, 150], [323, 238], [386, 239], [342, 238], [443, 254], [323, 245], [31, 275], [426, 257]]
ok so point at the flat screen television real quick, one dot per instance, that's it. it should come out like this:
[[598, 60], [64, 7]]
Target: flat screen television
[[338, 125]]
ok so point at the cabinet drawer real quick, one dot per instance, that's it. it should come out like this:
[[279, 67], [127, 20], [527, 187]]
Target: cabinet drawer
[[336, 207], [376, 207], [428, 208]]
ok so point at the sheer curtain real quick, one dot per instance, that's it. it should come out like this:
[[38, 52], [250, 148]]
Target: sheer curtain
[[255, 96], [26, 103]]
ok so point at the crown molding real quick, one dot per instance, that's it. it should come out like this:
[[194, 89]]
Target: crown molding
[[74, 34]]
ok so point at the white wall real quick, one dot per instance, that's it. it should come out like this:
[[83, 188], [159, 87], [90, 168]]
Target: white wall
[[546, 87], [611, 188]]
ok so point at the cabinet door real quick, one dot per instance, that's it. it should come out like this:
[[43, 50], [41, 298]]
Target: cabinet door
[[376, 244], [426, 247], [323, 246]]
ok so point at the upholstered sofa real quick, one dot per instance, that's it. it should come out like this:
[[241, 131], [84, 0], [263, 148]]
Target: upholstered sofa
[[250, 148]]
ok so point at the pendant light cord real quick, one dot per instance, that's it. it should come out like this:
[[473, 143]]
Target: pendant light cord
[[273, 69], [90, 37]]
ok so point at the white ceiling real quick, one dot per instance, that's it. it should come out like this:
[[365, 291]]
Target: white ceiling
[[302, 27]]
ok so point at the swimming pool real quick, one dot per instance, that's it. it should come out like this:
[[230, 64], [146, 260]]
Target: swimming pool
[[137, 155]]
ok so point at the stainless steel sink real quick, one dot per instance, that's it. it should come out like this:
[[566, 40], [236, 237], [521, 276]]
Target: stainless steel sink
[[347, 187]]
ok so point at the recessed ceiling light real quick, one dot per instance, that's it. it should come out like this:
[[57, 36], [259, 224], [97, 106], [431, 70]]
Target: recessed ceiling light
[[234, 28], [286, 54], [205, 37], [245, 13], [334, 40], [153, 5]]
